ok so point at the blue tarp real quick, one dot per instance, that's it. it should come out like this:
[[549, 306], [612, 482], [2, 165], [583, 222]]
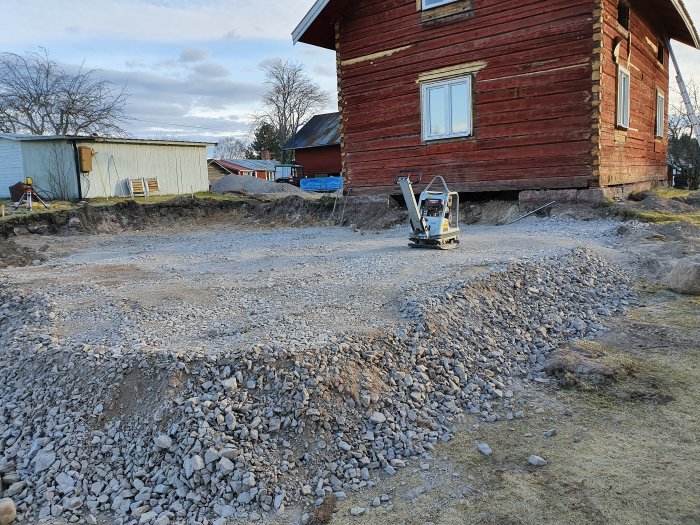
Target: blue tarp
[[322, 184]]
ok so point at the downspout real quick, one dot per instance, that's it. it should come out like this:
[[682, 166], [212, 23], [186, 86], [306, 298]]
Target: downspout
[[77, 169]]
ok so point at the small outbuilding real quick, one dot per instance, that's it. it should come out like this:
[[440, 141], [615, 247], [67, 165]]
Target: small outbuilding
[[73, 167], [316, 145], [262, 169]]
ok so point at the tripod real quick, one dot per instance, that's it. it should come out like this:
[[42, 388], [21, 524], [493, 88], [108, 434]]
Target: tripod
[[28, 197]]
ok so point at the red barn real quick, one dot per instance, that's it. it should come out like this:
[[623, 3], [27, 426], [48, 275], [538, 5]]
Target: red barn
[[316, 145], [262, 169], [498, 95]]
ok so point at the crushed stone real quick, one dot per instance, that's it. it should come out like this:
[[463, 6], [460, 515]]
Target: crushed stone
[[254, 426], [239, 183]]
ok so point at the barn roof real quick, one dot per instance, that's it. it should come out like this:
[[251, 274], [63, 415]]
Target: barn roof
[[249, 164], [321, 130], [89, 138], [317, 27]]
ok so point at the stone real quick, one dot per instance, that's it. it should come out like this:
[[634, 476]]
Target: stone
[[163, 442], [685, 277], [43, 460], [230, 384], [15, 488], [537, 461], [226, 466], [376, 502], [485, 449], [244, 498], [8, 512], [377, 417], [357, 511], [73, 503], [210, 456], [147, 517]]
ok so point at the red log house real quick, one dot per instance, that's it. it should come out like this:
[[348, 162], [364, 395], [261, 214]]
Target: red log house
[[495, 95]]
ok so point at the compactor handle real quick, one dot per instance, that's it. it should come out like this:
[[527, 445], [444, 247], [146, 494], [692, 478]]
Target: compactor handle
[[409, 174]]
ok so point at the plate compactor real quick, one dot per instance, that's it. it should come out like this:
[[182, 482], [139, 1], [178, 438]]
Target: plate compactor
[[435, 217]]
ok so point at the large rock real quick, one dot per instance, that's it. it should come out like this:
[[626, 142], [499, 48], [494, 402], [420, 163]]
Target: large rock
[[8, 512], [685, 277]]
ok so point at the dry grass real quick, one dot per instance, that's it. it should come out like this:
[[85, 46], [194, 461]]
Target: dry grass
[[661, 217], [669, 193], [58, 206], [624, 453]]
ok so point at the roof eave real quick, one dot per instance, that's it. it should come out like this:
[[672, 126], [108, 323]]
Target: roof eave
[[309, 19], [685, 16]]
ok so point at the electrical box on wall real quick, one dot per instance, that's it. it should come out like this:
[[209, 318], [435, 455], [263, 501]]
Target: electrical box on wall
[[85, 156]]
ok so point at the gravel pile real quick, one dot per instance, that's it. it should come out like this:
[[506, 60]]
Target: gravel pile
[[152, 436], [234, 183]]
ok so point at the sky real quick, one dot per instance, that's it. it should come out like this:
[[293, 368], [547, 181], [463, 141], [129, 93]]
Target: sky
[[192, 67]]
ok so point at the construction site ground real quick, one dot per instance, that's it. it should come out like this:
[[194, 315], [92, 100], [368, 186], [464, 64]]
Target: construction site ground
[[616, 418]]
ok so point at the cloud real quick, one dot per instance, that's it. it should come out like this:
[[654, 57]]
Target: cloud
[[193, 54], [211, 70], [161, 101], [149, 20], [325, 70], [231, 35]]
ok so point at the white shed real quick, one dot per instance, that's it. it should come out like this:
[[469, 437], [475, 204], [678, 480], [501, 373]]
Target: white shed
[[54, 164]]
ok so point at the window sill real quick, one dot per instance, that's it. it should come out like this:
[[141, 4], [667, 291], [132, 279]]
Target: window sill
[[447, 140]]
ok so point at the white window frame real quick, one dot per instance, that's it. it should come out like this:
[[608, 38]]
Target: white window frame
[[437, 4], [660, 115], [425, 108], [624, 97]]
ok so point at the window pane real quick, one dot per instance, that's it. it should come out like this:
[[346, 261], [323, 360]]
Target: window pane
[[433, 3], [627, 100], [623, 98], [459, 100], [436, 101]]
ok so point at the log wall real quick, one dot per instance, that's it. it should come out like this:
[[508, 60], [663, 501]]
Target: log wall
[[635, 154], [533, 99]]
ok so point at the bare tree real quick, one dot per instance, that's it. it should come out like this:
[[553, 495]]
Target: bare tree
[[230, 148], [291, 99], [683, 148], [678, 117], [38, 96]]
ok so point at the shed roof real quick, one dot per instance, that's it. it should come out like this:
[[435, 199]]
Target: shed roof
[[317, 26], [89, 138], [249, 164], [321, 130]]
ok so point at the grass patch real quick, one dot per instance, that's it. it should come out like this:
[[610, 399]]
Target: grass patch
[[669, 193], [661, 217], [58, 206], [165, 198]]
